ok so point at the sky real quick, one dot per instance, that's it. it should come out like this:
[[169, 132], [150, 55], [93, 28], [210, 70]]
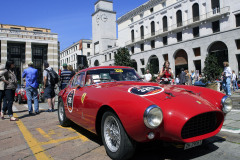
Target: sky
[[70, 19]]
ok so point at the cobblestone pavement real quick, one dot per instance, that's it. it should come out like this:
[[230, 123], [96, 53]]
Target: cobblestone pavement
[[40, 137]]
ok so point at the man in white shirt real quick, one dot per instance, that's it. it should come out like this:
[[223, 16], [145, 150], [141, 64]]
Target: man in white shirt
[[227, 73], [147, 77]]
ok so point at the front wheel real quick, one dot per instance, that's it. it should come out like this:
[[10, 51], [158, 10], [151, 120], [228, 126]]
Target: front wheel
[[63, 120], [116, 141]]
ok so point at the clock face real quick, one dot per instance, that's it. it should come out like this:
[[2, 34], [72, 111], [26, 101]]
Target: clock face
[[104, 18]]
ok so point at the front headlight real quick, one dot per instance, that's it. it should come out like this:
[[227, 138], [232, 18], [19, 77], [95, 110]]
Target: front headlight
[[153, 116], [227, 104]]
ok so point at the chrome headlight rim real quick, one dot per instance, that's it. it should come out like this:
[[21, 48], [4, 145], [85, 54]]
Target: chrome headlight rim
[[148, 112], [224, 105]]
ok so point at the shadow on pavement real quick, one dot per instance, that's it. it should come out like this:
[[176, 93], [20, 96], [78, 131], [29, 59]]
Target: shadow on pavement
[[163, 151]]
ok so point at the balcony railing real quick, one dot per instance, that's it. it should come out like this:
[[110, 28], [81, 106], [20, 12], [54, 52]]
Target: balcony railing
[[213, 14], [15, 33]]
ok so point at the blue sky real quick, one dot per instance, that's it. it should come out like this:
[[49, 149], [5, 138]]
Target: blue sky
[[70, 19]]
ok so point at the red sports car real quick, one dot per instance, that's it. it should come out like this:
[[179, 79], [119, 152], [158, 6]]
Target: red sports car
[[21, 96], [116, 104]]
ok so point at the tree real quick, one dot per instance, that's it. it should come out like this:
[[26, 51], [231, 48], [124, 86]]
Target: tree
[[122, 57], [212, 69]]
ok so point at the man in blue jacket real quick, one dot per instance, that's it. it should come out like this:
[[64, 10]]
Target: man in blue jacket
[[31, 74]]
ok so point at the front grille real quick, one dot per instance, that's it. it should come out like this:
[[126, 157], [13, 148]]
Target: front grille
[[199, 125]]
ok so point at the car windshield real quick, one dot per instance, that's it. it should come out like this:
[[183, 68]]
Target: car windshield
[[111, 75]]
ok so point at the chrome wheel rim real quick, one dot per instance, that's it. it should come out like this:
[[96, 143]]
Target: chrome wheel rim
[[61, 112], [112, 134]]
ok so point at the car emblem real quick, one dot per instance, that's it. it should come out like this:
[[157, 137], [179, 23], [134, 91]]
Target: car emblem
[[198, 102], [83, 97], [70, 98]]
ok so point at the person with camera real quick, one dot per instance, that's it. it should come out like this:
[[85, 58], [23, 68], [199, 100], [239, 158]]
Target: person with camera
[[166, 73]]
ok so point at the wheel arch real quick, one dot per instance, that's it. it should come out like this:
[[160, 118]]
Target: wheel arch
[[100, 113]]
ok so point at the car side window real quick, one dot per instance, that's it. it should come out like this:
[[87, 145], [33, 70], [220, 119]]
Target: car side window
[[79, 80]]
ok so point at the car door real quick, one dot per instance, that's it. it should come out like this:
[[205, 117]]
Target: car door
[[75, 96]]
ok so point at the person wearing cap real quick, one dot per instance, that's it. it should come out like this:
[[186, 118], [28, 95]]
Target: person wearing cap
[[31, 75], [65, 76]]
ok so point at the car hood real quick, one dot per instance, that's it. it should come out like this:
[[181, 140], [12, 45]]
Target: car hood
[[167, 97]]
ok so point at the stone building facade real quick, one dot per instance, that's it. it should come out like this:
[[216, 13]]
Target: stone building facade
[[69, 55], [180, 31], [22, 44]]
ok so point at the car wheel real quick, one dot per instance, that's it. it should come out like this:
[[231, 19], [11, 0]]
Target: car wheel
[[19, 99], [63, 120], [115, 139]]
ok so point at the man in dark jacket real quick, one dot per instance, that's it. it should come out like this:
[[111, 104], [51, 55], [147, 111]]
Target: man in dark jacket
[[182, 77]]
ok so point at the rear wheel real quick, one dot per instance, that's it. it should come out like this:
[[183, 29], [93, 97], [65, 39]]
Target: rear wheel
[[63, 120], [19, 99], [116, 141]]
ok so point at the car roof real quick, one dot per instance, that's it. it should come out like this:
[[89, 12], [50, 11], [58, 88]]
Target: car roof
[[103, 67]]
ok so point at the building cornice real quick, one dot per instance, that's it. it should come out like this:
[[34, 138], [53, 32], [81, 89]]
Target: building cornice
[[110, 1], [139, 10], [103, 11]]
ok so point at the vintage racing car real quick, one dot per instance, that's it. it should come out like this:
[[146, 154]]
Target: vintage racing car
[[20, 94], [116, 104]]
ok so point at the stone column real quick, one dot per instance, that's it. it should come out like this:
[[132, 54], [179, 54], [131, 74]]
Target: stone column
[[3, 51], [28, 53], [52, 56]]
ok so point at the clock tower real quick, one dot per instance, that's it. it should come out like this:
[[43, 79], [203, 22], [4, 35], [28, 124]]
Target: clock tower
[[103, 26]]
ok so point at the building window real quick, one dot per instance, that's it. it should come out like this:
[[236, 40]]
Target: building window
[[179, 36], [109, 46], [164, 4], [215, 6], [142, 32], [238, 43], [165, 24], [195, 11], [237, 20], [151, 10], [179, 18], [88, 54], [165, 57], [197, 51], [152, 28], [110, 56], [131, 19], [196, 32], [215, 26], [132, 35], [105, 57], [88, 45], [142, 61], [132, 49], [165, 41], [153, 44], [141, 15], [142, 47]]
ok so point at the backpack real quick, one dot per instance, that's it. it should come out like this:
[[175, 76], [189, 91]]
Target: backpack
[[53, 76]]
